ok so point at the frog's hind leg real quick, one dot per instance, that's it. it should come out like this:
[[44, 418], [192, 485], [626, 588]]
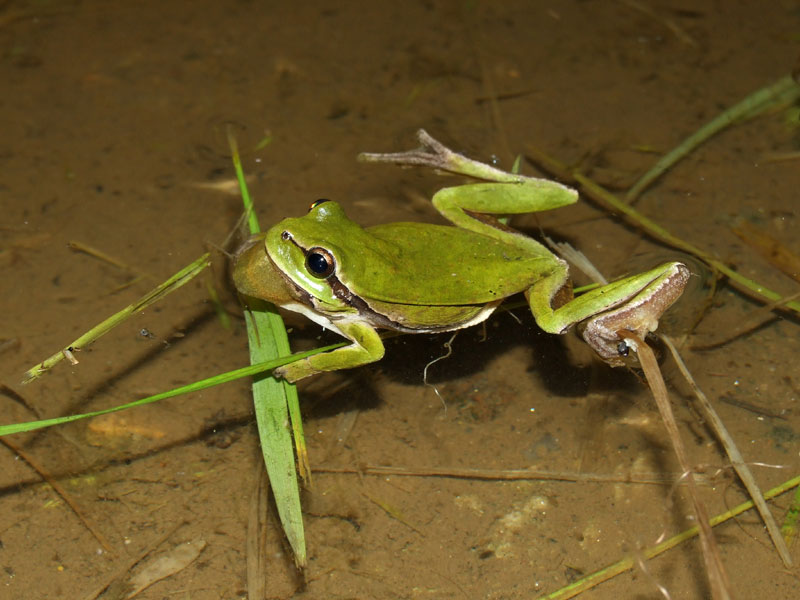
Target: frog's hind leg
[[473, 206], [547, 292], [634, 303], [499, 193]]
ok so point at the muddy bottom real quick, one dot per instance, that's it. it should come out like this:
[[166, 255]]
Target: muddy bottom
[[114, 120]]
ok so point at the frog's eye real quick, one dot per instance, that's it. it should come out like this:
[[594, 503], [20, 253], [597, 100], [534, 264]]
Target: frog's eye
[[623, 349], [320, 263], [316, 203]]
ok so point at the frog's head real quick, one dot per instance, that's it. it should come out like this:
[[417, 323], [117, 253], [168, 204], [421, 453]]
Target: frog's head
[[323, 261], [308, 252]]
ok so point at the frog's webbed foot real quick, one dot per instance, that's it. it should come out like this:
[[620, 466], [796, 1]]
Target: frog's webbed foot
[[639, 315], [431, 153], [435, 155]]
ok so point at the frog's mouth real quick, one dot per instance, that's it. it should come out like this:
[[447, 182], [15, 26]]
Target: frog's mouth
[[256, 275]]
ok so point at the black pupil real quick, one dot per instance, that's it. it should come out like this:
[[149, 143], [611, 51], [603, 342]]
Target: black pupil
[[317, 263], [623, 349]]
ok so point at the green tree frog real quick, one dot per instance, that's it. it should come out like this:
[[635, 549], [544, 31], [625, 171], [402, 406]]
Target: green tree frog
[[426, 278]]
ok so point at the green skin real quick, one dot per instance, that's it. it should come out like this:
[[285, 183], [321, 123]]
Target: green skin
[[424, 278]]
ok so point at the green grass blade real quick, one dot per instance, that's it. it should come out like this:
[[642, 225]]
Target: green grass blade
[[274, 400], [252, 219], [183, 276], [784, 91], [789, 526], [271, 399], [628, 564], [203, 384]]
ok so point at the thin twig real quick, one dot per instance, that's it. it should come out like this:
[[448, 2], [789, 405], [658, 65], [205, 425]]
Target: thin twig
[[771, 250], [503, 474], [736, 458], [676, 29], [257, 538], [626, 564], [34, 464], [718, 578], [99, 255], [128, 567], [753, 408], [755, 320]]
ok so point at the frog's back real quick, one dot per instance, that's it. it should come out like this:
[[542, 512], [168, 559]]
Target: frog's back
[[445, 265]]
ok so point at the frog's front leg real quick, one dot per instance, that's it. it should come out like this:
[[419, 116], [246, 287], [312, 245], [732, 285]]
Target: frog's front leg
[[634, 304], [367, 347]]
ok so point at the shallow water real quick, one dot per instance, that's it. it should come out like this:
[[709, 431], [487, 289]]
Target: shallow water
[[113, 122]]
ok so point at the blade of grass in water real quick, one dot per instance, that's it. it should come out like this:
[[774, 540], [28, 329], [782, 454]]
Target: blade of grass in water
[[270, 398], [183, 276], [785, 91], [275, 400], [249, 371], [629, 563]]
